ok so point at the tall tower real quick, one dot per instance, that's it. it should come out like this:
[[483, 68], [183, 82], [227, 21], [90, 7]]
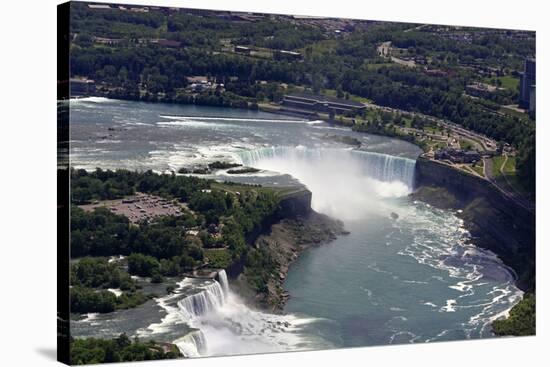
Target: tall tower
[[527, 84]]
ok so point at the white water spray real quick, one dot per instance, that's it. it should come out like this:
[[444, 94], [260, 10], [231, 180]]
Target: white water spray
[[222, 324], [346, 184]]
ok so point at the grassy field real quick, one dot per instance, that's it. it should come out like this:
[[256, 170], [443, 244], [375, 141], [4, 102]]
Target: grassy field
[[467, 144], [376, 66], [433, 130], [509, 177], [507, 81], [352, 97], [509, 111], [479, 168], [318, 49], [509, 168]]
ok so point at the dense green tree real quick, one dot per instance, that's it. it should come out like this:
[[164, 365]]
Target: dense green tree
[[521, 320], [120, 349], [143, 265]]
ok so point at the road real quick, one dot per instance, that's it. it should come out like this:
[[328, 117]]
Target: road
[[485, 142], [385, 50]]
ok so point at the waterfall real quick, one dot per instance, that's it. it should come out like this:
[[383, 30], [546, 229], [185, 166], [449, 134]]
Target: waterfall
[[345, 183], [210, 298], [378, 166], [387, 168], [205, 318], [222, 278], [192, 344]]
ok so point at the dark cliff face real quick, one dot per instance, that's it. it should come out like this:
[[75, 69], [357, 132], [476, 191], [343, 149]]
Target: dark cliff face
[[495, 221], [291, 206], [295, 204]]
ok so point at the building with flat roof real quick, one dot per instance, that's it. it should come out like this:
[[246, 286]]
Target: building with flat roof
[[99, 6], [108, 41], [481, 89], [319, 103], [457, 155], [243, 50], [290, 55]]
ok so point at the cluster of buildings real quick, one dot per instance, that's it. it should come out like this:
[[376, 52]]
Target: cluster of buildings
[[235, 16], [329, 25], [141, 41], [460, 34], [457, 155], [199, 84], [130, 8], [481, 89], [325, 104]]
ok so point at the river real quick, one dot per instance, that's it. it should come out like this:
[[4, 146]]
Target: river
[[406, 273]]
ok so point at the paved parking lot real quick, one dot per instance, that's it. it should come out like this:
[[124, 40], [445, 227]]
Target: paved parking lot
[[139, 207]]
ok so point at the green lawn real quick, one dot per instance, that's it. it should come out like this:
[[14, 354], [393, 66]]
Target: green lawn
[[509, 168], [433, 130], [376, 66], [507, 81], [467, 144], [352, 97], [509, 111], [439, 145], [509, 178], [479, 168], [322, 47]]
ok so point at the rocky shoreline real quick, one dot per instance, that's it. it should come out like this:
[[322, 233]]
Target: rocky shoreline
[[495, 222], [286, 241]]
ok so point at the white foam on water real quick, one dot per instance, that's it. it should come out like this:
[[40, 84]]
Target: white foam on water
[[465, 265], [193, 344], [108, 141], [89, 317], [222, 324], [450, 306], [92, 100], [193, 124], [237, 119]]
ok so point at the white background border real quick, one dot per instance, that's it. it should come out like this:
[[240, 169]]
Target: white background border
[[28, 181]]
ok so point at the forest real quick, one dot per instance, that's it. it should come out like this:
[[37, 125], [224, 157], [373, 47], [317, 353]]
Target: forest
[[162, 247], [135, 68], [120, 349]]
